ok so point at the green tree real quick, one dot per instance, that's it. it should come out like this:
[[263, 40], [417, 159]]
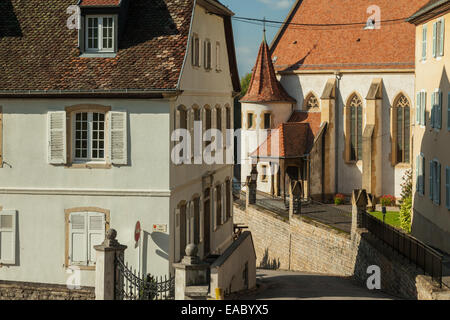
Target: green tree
[[245, 83], [406, 202]]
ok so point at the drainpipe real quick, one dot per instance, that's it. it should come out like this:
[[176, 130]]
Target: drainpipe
[[336, 123]]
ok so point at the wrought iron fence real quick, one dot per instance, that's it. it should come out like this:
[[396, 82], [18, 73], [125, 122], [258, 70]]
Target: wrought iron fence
[[423, 256], [131, 285]]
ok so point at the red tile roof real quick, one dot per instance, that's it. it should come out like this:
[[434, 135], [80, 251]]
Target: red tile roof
[[264, 86], [295, 137], [39, 52], [100, 2], [346, 47]]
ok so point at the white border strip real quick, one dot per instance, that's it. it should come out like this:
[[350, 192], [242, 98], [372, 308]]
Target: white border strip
[[87, 192]]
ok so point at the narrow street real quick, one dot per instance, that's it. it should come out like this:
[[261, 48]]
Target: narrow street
[[286, 285]]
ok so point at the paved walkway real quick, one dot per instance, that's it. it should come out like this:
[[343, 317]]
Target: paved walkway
[[285, 285]]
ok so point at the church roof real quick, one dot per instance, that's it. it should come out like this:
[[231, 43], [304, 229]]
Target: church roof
[[295, 137], [264, 85], [330, 35]]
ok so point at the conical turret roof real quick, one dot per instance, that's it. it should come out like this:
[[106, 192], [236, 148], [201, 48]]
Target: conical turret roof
[[264, 86]]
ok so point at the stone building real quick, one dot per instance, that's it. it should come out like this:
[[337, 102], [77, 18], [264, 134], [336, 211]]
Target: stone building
[[348, 70]]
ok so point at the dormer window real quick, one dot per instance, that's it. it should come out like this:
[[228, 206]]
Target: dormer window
[[100, 34]]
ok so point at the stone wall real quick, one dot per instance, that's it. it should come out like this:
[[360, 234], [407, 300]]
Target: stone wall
[[305, 245], [34, 291]]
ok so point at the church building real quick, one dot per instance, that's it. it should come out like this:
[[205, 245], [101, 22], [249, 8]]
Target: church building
[[338, 83]]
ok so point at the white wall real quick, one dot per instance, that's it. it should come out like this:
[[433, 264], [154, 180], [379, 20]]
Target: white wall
[[40, 192]]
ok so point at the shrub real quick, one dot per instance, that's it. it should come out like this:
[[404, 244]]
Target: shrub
[[339, 199], [405, 214], [387, 201], [406, 202]]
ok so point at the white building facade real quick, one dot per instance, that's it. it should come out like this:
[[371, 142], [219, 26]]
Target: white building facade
[[80, 159]]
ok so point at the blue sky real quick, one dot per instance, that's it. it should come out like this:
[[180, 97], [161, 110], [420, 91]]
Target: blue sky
[[248, 37]]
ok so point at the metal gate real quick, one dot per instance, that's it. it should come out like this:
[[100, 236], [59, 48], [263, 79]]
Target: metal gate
[[131, 285]]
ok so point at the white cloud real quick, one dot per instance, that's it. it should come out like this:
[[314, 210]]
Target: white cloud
[[278, 4]]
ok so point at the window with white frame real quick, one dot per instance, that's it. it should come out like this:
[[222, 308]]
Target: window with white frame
[[438, 38], [195, 53], [8, 237], [98, 136], [420, 174], [207, 54], [421, 102], [100, 35], [436, 109], [424, 42], [435, 181], [89, 136], [86, 230]]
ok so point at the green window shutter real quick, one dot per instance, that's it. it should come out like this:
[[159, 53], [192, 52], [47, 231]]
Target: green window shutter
[[424, 109], [433, 109], [439, 111], [447, 187], [434, 39], [424, 42], [448, 112], [441, 38], [418, 102], [422, 168], [431, 179], [438, 184], [417, 174]]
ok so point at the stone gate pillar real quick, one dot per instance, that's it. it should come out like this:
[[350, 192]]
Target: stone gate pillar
[[106, 254], [359, 207]]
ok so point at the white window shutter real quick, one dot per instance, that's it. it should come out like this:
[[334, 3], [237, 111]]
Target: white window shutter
[[8, 236], [118, 134], [441, 38], [434, 39], [77, 238], [57, 153], [96, 233]]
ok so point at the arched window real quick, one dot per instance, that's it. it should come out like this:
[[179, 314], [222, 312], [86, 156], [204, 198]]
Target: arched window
[[354, 125], [207, 121], [401, 130], [311, 103]]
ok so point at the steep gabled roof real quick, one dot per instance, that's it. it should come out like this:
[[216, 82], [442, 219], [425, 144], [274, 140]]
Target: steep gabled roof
[[38, 52], [317, 37], [264, 86]]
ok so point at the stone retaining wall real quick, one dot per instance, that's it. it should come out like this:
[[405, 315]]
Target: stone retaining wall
[[35, 291], [305, 245]]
